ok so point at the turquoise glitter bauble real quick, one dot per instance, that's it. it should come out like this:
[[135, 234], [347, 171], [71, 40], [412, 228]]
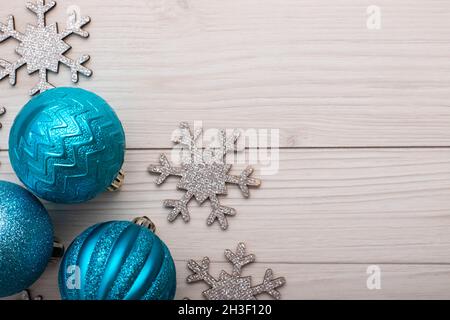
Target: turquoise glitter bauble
[[67, 145], [26, 239], [117, 260]]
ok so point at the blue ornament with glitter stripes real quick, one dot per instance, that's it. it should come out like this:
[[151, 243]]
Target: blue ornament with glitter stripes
[[67, 145], [117, 260]]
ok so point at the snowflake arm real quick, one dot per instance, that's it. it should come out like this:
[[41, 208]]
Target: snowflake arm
[[10, 69], [228, 143], [269, 285], [239, 259], [75, 27], [219, 212], [165, 169], [40, 8], [244, 181], [179, 207], [225, 145], [188, 143], [200, 272], [42, 85], [76, 66], [186, 137], [8, 30]]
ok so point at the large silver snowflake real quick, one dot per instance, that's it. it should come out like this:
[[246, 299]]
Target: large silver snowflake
[[234, 286], [204, 175], [42, 47]]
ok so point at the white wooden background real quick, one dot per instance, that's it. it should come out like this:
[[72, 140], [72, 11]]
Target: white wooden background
[[364, 120]]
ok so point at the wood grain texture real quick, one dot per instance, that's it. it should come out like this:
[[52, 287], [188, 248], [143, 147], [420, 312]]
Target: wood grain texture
[[343, 281], [335, 207], [309, 68], [363, 117]]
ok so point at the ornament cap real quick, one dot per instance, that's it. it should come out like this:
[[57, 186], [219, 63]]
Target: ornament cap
[[58, 249], [2, 112], [145, 222], [26, 295], [118, 181]]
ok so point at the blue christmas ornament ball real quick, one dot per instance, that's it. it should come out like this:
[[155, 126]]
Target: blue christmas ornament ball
[[67, 145], [117, 260], [26, 239]]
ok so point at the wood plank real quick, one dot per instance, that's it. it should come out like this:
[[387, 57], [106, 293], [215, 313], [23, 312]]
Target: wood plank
[[308, 68], [311, 281], [324, 206], [312, 70]]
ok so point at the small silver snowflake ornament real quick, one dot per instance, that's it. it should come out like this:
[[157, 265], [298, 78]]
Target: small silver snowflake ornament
[[42, 47], [2, 112], [234, 286], [204, 175]]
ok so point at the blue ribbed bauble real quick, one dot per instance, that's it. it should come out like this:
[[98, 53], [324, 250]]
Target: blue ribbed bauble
[[26, 239], [67, 145], [117, 260]]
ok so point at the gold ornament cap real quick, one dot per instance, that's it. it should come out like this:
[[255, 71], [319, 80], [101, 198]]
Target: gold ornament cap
[[118, 181], [145, 222], [58, 249]]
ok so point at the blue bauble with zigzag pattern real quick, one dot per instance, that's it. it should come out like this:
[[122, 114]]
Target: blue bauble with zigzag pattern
[[67, 145], [117, 260]]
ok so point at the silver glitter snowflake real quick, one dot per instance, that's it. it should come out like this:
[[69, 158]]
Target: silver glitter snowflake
[[42, 47], [234, 286], [2, 112], [204, 175]]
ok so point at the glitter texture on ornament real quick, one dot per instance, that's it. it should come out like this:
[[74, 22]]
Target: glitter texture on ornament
[[42, 47]]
